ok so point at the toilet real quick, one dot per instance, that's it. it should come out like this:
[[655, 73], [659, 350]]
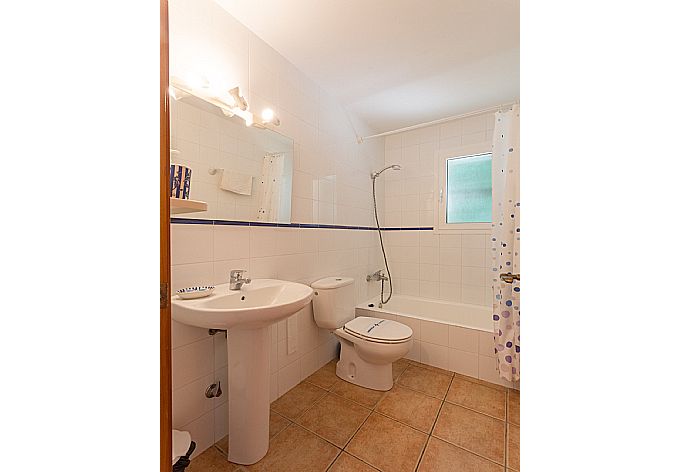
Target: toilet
[[368, 346]]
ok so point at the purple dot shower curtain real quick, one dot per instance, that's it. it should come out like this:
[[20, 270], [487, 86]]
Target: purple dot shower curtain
[[505, 242]]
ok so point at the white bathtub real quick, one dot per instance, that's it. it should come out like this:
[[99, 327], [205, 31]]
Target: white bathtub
[[452, 336]]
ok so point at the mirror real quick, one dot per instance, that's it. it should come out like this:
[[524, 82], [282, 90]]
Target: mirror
[[242, 173]]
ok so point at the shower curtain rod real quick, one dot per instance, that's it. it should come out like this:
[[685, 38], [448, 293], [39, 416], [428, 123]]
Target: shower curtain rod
[[436, 122]]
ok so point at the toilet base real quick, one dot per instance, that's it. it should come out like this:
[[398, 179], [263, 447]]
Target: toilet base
[[352, 368]]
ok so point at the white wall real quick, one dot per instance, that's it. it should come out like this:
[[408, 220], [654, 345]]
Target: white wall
[[331, 185], [423, 263]]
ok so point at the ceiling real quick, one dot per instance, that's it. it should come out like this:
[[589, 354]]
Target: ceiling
[[396, 63]]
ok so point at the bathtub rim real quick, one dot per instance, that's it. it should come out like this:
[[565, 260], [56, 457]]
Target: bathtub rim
[[365, 306]]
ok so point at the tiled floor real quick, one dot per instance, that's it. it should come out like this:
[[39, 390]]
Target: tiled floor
[[432, 420]]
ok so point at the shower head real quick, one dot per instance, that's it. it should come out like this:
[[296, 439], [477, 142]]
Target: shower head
[[374, 175]]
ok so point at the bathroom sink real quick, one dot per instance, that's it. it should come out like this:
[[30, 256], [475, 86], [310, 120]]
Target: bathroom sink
[[246, 314], [258, 304]]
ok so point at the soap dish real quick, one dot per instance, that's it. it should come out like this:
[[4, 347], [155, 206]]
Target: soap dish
[[196, 292]]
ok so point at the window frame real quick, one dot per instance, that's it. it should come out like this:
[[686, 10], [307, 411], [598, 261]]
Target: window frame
[[440, 208]]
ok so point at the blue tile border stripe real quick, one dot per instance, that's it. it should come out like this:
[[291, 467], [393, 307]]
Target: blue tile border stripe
[[199, 221]]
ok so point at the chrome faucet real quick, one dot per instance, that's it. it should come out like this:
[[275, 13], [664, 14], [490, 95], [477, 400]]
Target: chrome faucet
[[236, 280], [377, 276]]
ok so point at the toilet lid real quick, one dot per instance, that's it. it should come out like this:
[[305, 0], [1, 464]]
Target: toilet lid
[[378, 329]]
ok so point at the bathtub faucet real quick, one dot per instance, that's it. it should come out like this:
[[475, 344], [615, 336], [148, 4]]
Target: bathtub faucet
[[377, 276]]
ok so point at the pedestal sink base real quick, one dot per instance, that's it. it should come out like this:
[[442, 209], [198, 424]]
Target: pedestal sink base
[[249, 385], [246, 314]]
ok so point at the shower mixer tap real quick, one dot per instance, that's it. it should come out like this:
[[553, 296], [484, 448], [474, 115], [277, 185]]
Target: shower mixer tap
[[377, 276]]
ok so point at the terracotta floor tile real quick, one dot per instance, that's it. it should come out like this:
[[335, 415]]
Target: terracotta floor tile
[[361, 395], [410, 407], [276, 423], [324, 377], [439, 456], [298, 400], [426, 381], [473, 431], [347, 463], [296, 449], [211, 460], [334, 418], [513, 447], [399, 367], [478, 397], [514, 406], [387, 444]]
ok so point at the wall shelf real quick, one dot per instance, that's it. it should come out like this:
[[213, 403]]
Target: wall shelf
[[179, 205]]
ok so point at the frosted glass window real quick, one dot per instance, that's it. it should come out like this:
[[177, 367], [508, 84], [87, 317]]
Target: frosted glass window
[[468, 188]]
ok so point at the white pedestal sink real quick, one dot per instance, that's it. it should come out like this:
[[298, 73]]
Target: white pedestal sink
[[246, 314]]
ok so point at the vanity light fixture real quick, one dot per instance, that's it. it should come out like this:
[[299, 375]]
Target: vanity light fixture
[[240, 102], [268, 116], [177, 93], [231, 102]]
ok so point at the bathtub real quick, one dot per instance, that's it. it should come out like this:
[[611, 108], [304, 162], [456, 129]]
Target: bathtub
[[451, 336]]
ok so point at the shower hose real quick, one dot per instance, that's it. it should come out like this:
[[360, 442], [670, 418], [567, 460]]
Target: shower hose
[[383, 249]]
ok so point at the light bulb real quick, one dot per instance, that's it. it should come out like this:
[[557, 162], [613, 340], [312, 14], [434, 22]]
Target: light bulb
[[196, 82], [267, 115]]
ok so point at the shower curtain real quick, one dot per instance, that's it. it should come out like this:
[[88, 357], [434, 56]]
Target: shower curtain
[[505, 242], [269, 186]]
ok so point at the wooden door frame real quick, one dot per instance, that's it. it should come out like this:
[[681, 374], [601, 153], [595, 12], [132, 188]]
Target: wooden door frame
[[165, 323]]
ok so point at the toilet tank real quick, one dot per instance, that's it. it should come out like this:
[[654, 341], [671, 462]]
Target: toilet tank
[[334, 301]]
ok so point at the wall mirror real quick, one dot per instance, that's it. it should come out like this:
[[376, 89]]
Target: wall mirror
[[242, 173]]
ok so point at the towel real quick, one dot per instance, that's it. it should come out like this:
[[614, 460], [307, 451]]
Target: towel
[[236, 182]]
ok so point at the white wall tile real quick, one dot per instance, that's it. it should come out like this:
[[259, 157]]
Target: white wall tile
[[220, 350], [202, 432], [432, 332], [474, 295], [309, 363], [474, 257], [414, 351], [413, 323], [191, 362], [189, 275], [450, 256], [462, 362], [464, 339], [230, 242], [429, 289], [486, 343], [434, 355], [220, 422], [474, 240], [429, 272], [449, 274], [474, 276], [288, 377], [190, 244], [489, 372], [184, 334], [450, 292], [190, 402]]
